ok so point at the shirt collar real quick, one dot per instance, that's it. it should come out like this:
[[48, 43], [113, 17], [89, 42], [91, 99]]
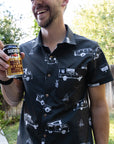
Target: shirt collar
[[69, 38]]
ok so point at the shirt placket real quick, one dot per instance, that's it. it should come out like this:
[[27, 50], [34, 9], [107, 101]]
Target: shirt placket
[[49, 83]]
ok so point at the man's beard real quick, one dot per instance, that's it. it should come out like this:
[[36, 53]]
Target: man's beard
[[45, 24], [48, 22]]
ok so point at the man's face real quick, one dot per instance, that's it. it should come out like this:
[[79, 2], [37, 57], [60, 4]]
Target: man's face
[[46, 11]]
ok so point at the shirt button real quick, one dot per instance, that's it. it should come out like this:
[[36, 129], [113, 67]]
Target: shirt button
[[51, 56], [44, 135], [49, 75], [45, 115], [47, 95]]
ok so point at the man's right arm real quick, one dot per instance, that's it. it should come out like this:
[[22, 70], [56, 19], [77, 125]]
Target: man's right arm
[[13, 92]]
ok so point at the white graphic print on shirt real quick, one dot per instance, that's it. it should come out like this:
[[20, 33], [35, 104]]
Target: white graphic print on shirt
[[27, 74], [28, 121], [39, 98], [82, 104], [50, 60], [69, 73], [57, 127]]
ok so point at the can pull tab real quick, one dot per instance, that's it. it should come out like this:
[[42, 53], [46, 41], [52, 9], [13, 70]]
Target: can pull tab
[[43, 141]]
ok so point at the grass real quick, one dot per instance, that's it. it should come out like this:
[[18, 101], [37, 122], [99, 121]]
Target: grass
[[11, 131], [111, 134]]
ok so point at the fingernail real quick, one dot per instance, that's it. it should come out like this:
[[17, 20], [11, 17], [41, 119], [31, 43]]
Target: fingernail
[[7, 58], [6, 66]]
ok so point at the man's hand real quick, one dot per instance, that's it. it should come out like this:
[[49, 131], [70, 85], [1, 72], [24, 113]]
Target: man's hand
[[3, 62]]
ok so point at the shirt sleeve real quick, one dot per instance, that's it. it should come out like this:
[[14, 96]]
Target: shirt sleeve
[[98, 69]]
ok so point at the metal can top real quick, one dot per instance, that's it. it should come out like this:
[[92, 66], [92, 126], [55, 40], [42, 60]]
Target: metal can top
[[10, 49], [10, 46]]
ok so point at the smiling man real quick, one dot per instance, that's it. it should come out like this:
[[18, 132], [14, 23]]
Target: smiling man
[[63, 84]]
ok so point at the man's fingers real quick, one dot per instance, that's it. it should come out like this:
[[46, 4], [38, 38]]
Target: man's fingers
[[22, 55], [1, 45], [3, 64], [3, 55]]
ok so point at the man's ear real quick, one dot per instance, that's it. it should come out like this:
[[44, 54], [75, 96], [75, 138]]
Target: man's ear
[[65, 2]]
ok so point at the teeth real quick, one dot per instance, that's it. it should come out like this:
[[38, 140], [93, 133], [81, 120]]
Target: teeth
[[42, 11]]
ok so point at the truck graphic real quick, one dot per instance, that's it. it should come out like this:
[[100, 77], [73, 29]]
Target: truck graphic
[[104, 69], [57, 127], [83, 52], [27, 74], [51, 60], [88, 51], [69, 73], [39, 98], [28, 121], [82, 104], [46, 107]]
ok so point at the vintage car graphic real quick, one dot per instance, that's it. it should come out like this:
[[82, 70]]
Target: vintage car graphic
[[69, 73], [51, 60], [57, 127], [104, 69], [83, 52], [46, 107], [27, 74], [82, 104], [28, 121], [88, 51], [39, 98]]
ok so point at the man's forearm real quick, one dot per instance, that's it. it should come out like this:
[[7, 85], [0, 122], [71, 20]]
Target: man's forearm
[[100, 119], [13, 92]]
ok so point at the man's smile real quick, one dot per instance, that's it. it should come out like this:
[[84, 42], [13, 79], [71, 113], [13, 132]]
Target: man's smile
[[41, 11]]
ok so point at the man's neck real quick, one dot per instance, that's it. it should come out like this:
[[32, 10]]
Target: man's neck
[[53, 35]]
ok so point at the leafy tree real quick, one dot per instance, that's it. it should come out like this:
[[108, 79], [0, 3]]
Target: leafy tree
[[97, 23], [9, 32], [36, 28]]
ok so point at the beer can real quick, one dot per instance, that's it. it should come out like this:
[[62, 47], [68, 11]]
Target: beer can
[[15, 68]]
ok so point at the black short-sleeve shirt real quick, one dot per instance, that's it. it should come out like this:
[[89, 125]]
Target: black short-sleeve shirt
[[55, 107]]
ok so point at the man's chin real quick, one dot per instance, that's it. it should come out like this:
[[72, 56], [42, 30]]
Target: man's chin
[[44, 24]]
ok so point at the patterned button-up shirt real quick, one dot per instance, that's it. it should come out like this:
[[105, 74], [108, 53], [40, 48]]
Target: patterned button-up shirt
[[56, 106]]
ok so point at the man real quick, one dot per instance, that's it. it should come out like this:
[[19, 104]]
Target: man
[[60, 70]]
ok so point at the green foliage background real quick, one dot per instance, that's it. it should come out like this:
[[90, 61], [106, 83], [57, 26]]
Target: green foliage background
[[9, 32], [36, 28], [97, 23]]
